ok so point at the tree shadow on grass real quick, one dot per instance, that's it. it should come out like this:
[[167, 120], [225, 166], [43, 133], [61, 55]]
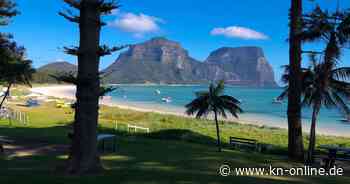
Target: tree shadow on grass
[[168, 156]]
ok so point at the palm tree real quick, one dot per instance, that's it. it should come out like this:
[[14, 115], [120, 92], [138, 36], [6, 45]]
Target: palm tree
[[327, 85], [214, 101], [295, 136], [323, 85]]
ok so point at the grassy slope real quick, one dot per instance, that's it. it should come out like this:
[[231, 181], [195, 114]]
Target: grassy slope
[[144, 160]]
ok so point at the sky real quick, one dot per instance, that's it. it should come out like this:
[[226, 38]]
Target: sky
[[201, 26]]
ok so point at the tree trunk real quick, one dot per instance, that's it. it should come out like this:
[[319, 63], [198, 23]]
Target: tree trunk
[[312, 139], [217, 131], [1, 149], [6, 94], [85, 158], [295, 137], [2, 103]]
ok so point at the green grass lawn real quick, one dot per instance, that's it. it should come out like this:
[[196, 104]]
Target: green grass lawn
[[178, 150]]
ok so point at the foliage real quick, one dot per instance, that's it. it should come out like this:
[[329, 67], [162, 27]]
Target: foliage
[[214, 101], [7, 11], [323, 84]]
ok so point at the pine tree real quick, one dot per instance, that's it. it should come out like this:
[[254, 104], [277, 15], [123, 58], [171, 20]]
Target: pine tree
[[84, 156], [14, 68], [7, 11]]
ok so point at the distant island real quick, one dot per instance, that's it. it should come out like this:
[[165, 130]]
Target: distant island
[[162, 61]]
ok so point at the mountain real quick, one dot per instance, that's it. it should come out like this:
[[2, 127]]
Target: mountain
[[160, 60], [43, 73], [155, 61], [248, 65], [59, 67]]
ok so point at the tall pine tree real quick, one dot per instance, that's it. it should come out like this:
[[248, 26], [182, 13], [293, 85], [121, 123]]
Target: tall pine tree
[[84, 157]]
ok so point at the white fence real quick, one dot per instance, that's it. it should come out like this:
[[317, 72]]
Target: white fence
[[13, 115], [134, 128], [130, 128]]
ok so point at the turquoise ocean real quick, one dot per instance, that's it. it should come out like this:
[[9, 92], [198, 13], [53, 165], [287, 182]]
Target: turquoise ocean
[[256, 103]]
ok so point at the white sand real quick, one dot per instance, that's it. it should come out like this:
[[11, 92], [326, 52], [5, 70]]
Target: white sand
[[68, 92]]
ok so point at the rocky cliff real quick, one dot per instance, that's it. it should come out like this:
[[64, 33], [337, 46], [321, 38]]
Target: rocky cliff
[[156, 61], [248, 65], [160, 60]]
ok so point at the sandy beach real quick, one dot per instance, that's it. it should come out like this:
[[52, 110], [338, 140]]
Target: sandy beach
[[68, 92]]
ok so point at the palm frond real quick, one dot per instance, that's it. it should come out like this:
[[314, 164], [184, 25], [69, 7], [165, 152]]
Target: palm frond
[[230, 104], [342, 73], [230, 99], [307, 99], [332, 51], [343, 28], [197, 104], [220, 109], [202, 112], [104, 90], [340, 87], [284, 93], [338, 100], [212, 101]]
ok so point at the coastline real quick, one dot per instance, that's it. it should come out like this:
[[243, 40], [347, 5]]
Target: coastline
[[68, 92]]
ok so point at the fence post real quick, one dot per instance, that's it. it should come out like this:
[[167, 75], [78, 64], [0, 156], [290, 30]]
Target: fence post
[[20, 116], [24, 118]]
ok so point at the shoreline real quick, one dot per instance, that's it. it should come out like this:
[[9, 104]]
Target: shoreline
[[68, 92]]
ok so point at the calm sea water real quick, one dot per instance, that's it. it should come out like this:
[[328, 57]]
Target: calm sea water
[[256, 102]]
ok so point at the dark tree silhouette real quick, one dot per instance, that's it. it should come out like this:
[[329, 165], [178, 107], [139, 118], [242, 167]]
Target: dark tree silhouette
[[84, 157], [214, 101], [15, 70], [7, 11], [295, 137], [324, 84]]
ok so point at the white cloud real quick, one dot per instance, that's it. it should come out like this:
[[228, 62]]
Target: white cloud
[[239, 32], [138, 24]]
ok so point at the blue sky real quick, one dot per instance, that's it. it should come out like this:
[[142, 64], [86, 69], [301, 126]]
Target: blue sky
[[201, 26]]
